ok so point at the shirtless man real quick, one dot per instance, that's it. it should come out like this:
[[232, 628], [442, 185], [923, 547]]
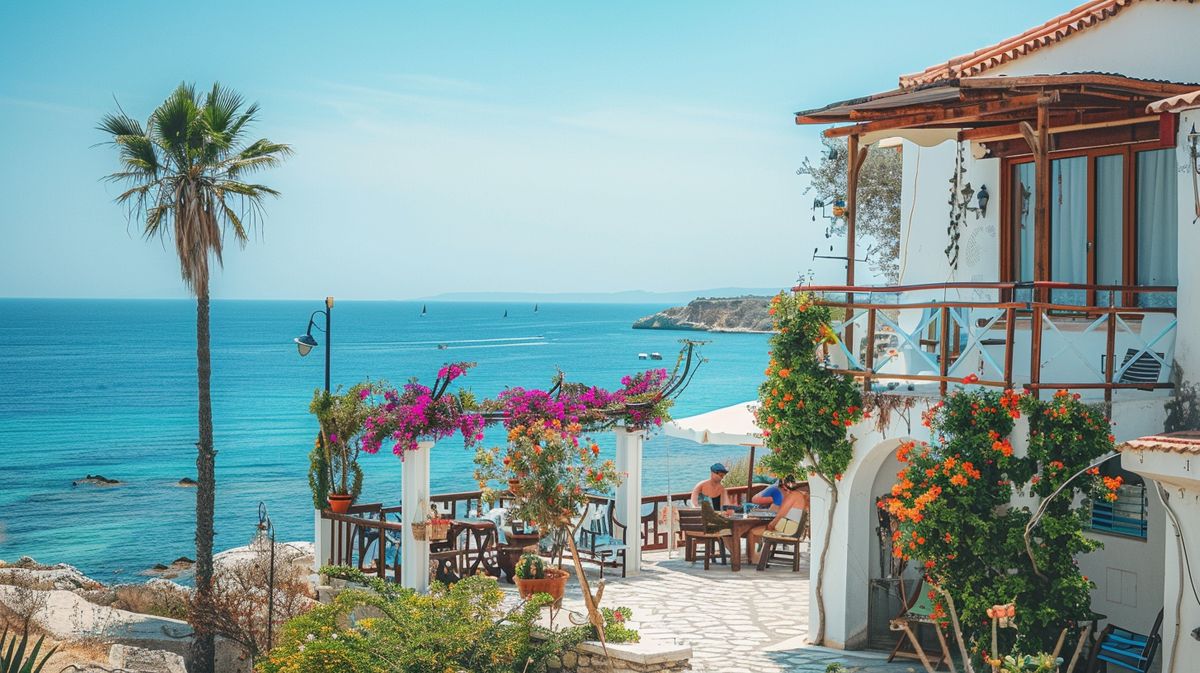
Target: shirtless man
[[711, 487]]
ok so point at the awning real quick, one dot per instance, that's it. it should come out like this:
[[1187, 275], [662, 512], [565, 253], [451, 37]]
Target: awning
[[730, 425], [1184, 101]]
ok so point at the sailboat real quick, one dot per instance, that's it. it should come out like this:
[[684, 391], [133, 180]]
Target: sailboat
[[505, 313], [535, 308], [424, 309]]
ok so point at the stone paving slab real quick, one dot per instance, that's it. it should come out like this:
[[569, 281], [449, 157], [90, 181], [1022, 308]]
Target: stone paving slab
[[745, 621]]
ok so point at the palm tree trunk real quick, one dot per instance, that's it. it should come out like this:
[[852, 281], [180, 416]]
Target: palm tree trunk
[[203, 645]]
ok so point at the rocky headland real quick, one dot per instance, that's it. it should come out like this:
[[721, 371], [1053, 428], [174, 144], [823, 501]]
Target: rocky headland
[[732, 314]]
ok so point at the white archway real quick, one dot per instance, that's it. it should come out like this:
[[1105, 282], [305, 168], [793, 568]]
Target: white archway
[[850, 558]]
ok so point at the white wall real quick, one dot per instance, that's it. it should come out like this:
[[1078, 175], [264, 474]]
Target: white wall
[[923, 239], [1154, 40], [1187, 349], [1179, 476], [1127, 572]]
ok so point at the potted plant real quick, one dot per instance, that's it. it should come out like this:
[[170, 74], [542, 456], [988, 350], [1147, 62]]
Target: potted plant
[[334, 472], [533, 577]]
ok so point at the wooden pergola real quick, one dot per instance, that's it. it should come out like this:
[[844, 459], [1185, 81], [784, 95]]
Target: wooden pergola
[[1008, 117]]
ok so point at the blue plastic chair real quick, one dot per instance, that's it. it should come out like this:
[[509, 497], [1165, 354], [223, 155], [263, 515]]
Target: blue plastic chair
[[1126, 650]]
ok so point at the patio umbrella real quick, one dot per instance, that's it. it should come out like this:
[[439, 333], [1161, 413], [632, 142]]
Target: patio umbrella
[[728, 425]]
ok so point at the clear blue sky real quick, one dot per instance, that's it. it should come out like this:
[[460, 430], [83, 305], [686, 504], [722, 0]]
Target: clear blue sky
[[557, 146]]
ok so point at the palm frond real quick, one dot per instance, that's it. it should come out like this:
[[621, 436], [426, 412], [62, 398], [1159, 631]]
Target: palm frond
[[119, 124], [174, 126]]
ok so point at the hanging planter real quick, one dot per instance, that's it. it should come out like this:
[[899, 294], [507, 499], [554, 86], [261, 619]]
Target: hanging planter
[[419, 530], [438, 530]]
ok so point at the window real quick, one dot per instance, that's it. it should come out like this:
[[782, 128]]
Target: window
[[1113, 221], [1124, 516]]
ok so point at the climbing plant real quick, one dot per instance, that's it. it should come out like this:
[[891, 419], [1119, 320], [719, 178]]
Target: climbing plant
[[953, 498], [805, 409]]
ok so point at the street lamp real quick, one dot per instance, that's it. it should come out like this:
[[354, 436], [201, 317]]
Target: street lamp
[[305, 344]]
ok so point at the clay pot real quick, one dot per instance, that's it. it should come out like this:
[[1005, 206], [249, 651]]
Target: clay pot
[[513, 484], [339, 503], [555, 583]]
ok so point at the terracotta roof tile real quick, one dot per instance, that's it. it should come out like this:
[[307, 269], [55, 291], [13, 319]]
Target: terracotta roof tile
[[1053, 31], [1175, 442]]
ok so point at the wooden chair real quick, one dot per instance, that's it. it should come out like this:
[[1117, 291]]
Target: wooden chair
[[918, 611], [784, 543], [1121, 649], [602, 540], [695, 533]]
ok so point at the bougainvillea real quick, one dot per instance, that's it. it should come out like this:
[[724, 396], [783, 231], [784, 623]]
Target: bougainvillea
[[419, 413], [805, 410], [952, 498]]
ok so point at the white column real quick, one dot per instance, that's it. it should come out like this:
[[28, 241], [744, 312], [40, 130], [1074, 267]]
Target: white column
[[629, 495], [322, 540], [414, 503]]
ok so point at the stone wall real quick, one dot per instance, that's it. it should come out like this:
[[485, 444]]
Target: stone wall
[[644, 657]]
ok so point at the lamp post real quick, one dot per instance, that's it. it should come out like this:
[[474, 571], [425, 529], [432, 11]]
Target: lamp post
[[305, 344]]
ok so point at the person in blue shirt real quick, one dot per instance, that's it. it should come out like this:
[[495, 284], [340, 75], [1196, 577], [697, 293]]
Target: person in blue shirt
[[771, 497]]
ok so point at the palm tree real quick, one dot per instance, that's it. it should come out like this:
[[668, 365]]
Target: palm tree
[[185, 171]]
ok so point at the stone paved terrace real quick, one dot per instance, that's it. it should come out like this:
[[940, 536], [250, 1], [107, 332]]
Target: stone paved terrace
[[744, 622]]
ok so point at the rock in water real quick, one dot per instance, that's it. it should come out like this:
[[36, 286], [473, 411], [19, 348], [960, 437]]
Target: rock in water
[[186, 481], [96, 480], [737, 314]]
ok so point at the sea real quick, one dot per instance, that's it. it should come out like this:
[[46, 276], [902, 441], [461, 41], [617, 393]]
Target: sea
[[108, 387]]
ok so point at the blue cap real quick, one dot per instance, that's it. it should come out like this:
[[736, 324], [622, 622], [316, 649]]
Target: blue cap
[[717, 467]]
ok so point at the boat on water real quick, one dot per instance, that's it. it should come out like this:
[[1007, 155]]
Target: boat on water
[[424, 309], [505, 313], [643, 356], [656, 356], [535, 308], [442, 347]]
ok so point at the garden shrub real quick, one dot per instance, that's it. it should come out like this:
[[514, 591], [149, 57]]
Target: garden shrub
[[952, 503], [461, 627]]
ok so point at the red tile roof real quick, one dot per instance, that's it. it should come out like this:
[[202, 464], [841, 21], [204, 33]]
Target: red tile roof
[[1176, 442], [1053, 31], [1184, 101]]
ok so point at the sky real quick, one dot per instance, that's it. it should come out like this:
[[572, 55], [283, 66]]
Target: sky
[[460, 146]]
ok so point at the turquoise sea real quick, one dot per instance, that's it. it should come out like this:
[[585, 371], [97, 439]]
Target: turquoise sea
[[108, 387]]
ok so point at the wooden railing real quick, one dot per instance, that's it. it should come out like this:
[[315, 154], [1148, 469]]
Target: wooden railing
[[353, 534], [949, 338]]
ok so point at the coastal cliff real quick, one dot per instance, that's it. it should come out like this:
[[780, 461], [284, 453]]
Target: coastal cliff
[[735, 314]]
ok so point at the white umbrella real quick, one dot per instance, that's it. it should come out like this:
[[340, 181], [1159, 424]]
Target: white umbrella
[[729, 425]]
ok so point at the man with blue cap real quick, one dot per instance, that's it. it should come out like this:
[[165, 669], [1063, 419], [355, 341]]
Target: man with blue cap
[[711, 487]]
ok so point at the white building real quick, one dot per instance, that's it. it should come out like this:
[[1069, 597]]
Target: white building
[[1077, 272]]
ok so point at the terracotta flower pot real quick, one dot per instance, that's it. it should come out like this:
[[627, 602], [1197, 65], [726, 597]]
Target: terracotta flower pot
[[555, 583], [339, 503], [513, 484]]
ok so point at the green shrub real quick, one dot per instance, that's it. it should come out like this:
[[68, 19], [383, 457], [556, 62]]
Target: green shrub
[[461, 627], [530, 567]]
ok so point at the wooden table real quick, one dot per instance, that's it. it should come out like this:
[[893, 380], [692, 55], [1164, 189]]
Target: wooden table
[[739, 526]]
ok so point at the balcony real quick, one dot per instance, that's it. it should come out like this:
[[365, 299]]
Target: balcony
[[1098, 340]]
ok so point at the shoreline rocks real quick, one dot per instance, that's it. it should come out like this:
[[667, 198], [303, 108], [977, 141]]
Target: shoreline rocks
[[736, 314], [186, 481]]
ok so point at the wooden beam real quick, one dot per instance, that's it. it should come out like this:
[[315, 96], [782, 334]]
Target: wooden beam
[[1041, 151], [965, 114], [1101, 120], [1093, 80], [1134, 134]]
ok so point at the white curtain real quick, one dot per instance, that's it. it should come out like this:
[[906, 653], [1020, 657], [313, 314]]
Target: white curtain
[[1068, 227], [1023, 189], [1110, 204], [1157, 224]]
